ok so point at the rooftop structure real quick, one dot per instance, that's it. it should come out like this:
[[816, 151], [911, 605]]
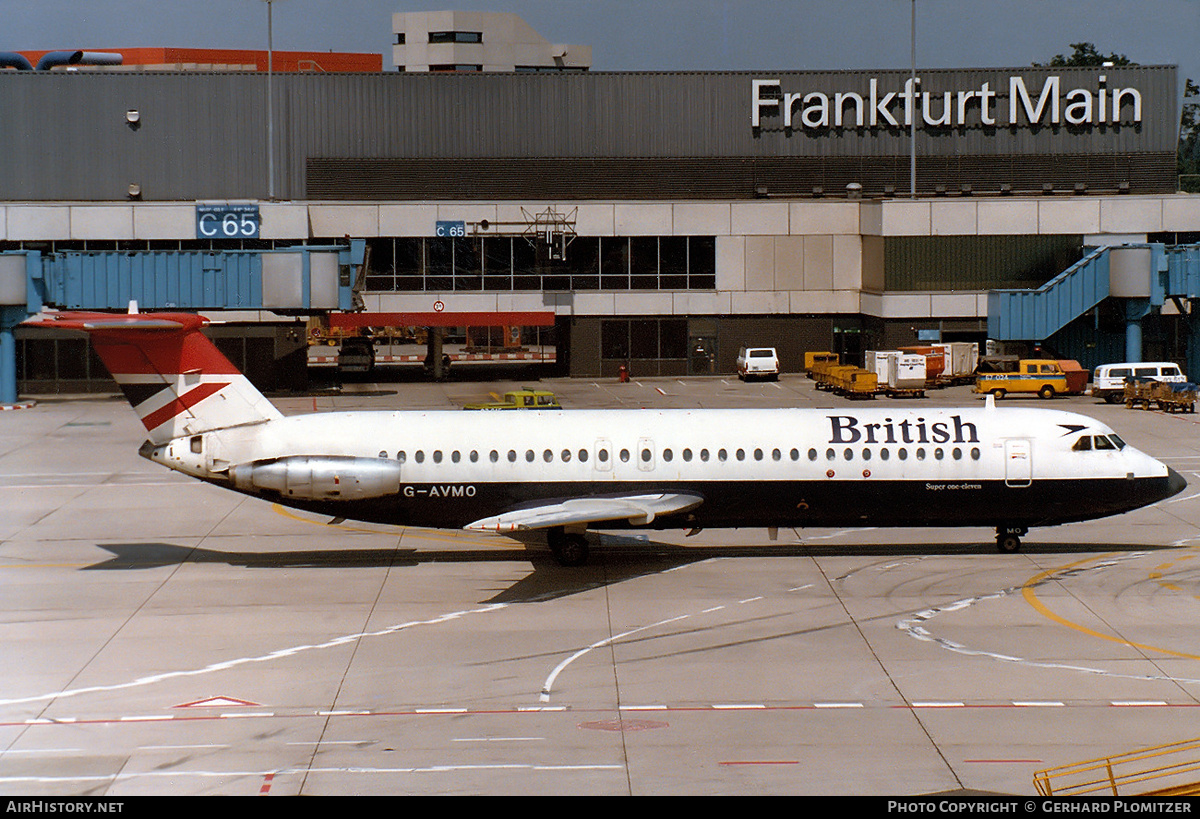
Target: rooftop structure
[[478, 41]]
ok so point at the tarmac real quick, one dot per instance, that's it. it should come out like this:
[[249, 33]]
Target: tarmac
[[164, 636]]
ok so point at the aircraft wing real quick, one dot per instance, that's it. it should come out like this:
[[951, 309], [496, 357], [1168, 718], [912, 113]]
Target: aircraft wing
[[639, 510]]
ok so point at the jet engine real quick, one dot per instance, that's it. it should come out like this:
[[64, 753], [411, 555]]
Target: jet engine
[[313, 477]]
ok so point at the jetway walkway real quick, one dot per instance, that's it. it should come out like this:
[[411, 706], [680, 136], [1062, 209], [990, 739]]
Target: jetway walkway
[[290, 280], [1143, 276]]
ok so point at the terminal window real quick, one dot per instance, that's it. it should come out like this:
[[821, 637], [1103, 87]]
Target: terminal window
[[502, 263]]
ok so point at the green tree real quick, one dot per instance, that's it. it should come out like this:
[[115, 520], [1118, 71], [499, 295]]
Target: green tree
[[1189, 138], [1085, 54]]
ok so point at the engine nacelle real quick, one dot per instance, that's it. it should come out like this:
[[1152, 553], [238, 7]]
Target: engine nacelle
[[316, 477]]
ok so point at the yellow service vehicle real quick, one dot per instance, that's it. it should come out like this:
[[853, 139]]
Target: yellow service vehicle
[[520, 399], [1042, 376]]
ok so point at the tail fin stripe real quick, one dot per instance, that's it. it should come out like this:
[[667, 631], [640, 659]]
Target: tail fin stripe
[[183, 403]]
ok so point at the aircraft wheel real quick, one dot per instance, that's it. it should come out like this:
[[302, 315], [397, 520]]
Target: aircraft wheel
[[568, 549], [1008, 542]]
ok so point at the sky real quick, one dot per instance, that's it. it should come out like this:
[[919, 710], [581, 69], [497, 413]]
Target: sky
[[655, 35]]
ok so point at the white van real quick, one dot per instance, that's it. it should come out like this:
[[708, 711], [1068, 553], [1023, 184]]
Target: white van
[[1108, 382], [757, 362]]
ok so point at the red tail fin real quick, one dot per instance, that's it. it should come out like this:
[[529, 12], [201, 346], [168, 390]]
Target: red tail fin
[[176, 379]]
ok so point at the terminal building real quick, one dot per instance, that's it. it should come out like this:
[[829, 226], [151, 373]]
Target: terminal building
[[658, 221]]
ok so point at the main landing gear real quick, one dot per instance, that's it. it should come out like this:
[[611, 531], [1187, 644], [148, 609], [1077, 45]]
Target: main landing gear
[[569, 548], [1008, 538]]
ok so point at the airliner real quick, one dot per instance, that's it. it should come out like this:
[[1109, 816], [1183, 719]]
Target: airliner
[[563, 472]]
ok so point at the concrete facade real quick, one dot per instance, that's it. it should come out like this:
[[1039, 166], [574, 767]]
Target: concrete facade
[[504, 42], [772, 257]]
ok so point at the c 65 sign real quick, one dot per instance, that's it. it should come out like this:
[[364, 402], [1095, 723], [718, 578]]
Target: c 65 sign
[[227, 221]]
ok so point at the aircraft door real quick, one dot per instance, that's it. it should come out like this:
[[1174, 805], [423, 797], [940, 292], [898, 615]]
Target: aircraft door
[[1018, 462], [602, 455]]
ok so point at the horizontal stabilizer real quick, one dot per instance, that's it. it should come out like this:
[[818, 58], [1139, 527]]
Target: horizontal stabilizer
[[639, 510]]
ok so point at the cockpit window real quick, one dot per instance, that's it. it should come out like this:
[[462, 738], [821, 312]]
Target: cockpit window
[[1107, 442]]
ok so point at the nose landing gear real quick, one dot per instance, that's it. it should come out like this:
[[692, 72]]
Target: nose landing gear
[[1008, 538]]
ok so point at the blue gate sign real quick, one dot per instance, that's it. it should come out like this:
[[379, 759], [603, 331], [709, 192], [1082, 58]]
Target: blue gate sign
[[227, 221], [451, 228]]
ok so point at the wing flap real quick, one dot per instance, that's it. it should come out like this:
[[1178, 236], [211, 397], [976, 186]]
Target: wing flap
[[639, 510]]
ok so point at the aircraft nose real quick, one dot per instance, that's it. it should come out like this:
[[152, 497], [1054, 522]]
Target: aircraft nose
[[1175, 482]]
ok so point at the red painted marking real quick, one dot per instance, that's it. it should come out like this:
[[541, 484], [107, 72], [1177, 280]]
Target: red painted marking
[[183, 403], [266, 786], [530, 318], [215, 702]]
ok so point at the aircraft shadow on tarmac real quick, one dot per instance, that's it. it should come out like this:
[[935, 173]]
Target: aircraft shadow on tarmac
[[612, 562]]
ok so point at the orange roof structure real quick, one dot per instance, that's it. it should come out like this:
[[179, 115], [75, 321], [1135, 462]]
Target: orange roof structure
[[204, 59]]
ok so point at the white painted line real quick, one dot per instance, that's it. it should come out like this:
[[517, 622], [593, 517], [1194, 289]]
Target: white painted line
[[441, 710], [938, 705], [838, 704], [1136, 703], [733, 706], [642, 708], [1034, 704]]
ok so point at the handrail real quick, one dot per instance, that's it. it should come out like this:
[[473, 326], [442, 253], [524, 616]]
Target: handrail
[[1109, 775]]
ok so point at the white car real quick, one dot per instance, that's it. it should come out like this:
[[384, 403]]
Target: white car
[[757, 362]]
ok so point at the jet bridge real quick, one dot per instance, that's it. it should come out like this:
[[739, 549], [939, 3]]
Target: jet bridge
[[1141, 277], [295, 280]]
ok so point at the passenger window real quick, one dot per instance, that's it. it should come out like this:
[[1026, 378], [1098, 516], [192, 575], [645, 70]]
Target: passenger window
[[624, 456], [494, 456], [547, 456], [884, 454], [920, 453], [704, 455], [474, 456], [382, 454], [401, 456], [903, 454], [529, 456], [974, 453], [812, 454], [687, 454], [455, 456], [776, 455], [866, 454], [667, 455], [512, 456], [420, 456], [741, 454], [758, 454], [848, 454], [583, 455], [722, 455]]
